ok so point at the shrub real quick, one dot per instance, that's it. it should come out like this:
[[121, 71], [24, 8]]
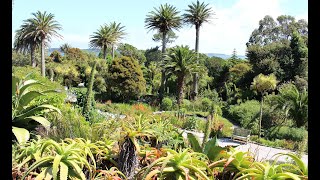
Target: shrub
[[190, 123], [186, 104], [166, 104], [125, 81], [206, 103], [246, 113], [56, 56], [288, 133]]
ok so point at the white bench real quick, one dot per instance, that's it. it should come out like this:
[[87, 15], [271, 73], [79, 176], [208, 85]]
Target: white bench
[[240, 134]]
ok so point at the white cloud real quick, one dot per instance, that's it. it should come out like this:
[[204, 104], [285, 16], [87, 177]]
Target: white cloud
[[232, 26]]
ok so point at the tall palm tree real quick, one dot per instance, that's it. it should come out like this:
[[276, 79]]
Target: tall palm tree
[[196, 15], [102, 39], [26, 44], [118, 34], [107, 36], [181, 62], [164, 19], [263, 84], [41, 28]]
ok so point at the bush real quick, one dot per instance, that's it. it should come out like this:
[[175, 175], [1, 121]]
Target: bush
[[205, 103], [190, 123], [166, 104], [56, 56], [247, 114], [125, 81], [288, 133]]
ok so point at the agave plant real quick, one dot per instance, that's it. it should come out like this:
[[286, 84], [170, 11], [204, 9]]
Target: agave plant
[[67, 160], [111, 174], [178, 165], [23, 113], [210, 148], [265, 170]]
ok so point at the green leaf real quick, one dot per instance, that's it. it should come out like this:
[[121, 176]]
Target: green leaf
[[55, 166], [40, 120], [63, 171], [15, 82], [28, 97], [21, 134], [194, 142], [32, 111]]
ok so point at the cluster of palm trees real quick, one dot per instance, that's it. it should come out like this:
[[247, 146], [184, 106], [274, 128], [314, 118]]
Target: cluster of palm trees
[[36, 32], [166, 18]]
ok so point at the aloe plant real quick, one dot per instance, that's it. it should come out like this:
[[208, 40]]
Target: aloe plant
[[22, 110], [177, 165], [61, 161]]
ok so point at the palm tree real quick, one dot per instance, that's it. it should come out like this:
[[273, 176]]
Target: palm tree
[[65, 47], [163, 19], [181, 62], [294, 102], [41, 28], [118, 33], [196, 15], [263, 84], [107, 36], [102, 39], [26, 44]]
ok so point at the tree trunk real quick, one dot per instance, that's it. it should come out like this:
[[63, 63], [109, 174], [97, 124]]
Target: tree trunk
[[104, 52], [196, 76], [33, 58], [112, 51], [43, 63], [163, 74], [260, 120], [180, 88]]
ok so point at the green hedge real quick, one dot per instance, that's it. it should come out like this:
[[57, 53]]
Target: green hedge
[[288, 133]]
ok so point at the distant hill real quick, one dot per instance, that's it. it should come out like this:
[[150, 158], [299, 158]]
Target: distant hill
[[224, 56], [96, 51]]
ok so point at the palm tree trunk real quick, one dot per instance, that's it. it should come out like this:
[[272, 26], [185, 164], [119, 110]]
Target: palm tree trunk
[[163, 74], [196, 76], [260, 120], [180, 88], [33, 59], [112, 51], [104, 52], [43, 63]]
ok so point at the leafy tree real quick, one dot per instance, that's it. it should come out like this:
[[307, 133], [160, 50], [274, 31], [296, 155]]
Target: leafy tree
[[263, 84], [163, 19], [152, 55], [131, 51], [180, 61], [171, 37], [41, 28], [299, 54], [270, 31], [196, 15], [125, 79], [234, 55]]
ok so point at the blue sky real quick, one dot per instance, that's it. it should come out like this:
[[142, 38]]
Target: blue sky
[[233, 22]]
